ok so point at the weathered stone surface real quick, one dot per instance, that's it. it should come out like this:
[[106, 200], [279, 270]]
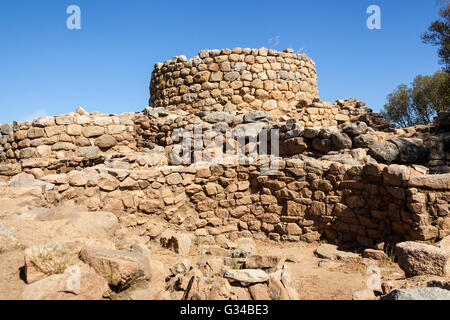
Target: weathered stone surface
[[435, 181], [289, 284], [50, 258], [276, 289], [121, 269], [356, 128], [259, 291], [396, 175], [78, 282], [326, 251], [384, 151], [219, 117], [255, 116], [107, 182], [293, 146], [181, 243], [89, 153], [93, 131], [8, 241], [418, 294], [220, 290], [105, 141], [411, 150], [341, 141], [60, 213], [257, 261], [247, 275], [375, 254], [364, 141], [422, 259]]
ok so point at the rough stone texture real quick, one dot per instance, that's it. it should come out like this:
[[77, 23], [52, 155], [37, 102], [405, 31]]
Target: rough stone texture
[[418, 294], [385, 151], [247, 275], [262, 261], [234, 84], [122, 269], [87, 286], [421, 259]]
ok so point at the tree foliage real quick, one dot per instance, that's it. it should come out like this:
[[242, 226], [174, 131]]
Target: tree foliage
[[439, 35], [418, 103]]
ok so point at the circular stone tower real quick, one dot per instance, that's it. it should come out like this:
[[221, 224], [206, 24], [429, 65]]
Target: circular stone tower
[[235, 80]]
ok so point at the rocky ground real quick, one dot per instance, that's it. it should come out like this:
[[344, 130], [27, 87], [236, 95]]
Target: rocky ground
[[42, 250]]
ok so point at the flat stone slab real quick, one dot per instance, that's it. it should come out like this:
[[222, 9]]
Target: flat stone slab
[[247, 275]]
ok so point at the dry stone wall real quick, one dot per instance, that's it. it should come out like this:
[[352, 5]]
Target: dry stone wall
[[308, 200], [238, 79], [66, 140], [343, 172], [326, 186]]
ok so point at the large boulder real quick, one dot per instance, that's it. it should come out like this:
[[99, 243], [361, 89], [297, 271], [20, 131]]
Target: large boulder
[[341, 140], [120, 268], [422, 259], [384, 151], [411, 150], [78, 282], [292, 146], [356, 128], [364, 140]]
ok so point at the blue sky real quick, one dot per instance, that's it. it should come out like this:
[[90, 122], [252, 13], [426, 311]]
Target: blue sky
[[47, 69]]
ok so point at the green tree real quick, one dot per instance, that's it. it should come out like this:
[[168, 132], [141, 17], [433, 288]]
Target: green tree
[[398, 108], [439, 35], [419, 103]]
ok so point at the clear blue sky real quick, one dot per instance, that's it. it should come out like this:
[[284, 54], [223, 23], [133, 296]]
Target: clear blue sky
[[46, 69]]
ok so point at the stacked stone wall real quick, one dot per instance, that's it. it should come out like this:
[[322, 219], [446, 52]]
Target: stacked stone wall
[[238, 79]]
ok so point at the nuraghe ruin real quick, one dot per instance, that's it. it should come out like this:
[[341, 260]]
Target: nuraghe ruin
[[339, 172]]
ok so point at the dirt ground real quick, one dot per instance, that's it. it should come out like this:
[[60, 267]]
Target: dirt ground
[[315, 279]]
